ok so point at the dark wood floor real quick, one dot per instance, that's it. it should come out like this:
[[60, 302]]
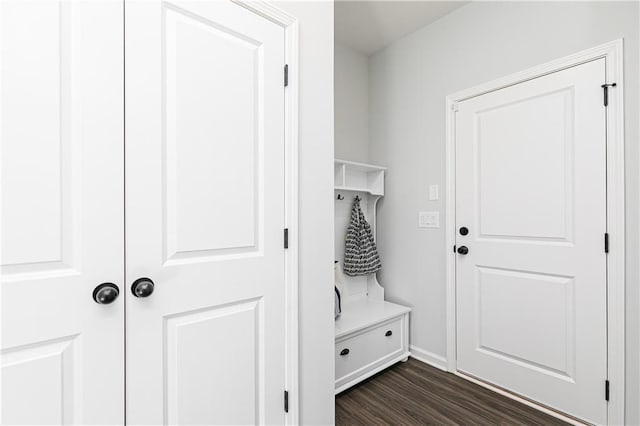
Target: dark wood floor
[[414, 393]]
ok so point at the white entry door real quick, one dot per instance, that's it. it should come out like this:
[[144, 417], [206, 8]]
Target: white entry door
[[531, 191], [204, 214], [62, 212]]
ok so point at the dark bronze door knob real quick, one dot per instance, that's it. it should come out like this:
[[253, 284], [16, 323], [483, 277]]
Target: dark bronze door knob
[[142, 287], [463, 250], [106, 293]]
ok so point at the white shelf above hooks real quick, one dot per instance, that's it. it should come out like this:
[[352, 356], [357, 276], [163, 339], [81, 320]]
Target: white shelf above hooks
[[359, 177]]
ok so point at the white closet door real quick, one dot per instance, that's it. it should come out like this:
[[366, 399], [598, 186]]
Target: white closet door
[[204, 214], [532, 290], [62, 211]]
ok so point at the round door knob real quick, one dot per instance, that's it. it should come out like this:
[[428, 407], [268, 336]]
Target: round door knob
[[463, 250], [106, 293], [142, 287]]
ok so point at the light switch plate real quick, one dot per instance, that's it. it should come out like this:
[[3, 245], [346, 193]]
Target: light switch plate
[[429, 220], [433, 192]]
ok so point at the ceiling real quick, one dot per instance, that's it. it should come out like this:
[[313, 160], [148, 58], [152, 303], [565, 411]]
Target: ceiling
[[368, 26]]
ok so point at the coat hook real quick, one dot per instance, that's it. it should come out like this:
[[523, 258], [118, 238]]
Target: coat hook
[[340, 197]]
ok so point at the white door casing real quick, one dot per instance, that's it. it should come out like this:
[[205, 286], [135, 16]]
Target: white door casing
[[205, 212], [62, 211], [531, 188]]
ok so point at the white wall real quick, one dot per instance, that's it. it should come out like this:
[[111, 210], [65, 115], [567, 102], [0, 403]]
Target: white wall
[[316, 210], [351, 74], [351, 104], [408, 83]]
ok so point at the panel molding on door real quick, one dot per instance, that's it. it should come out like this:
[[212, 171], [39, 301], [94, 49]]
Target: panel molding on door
[[62, 212], [558, 297], [222, 165], [611, 54], [183, 333]]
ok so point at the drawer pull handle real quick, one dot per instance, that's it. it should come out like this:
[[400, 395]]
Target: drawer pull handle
[[344, 352], [388, 333]]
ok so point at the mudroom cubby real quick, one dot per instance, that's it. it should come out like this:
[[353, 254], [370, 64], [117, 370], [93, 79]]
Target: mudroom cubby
[[371, 333]]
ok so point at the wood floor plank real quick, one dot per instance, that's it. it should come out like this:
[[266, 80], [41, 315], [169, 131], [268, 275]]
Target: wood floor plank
[[414, 393]]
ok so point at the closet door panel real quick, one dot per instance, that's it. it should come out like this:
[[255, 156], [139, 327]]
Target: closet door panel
[[205, 214], [62, 211], [212, 116]]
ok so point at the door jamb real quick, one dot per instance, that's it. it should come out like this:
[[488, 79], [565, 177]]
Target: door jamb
[[290, 25], [613, 54]]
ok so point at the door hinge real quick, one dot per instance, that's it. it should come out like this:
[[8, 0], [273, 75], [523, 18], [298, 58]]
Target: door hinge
[[286, 238], [606, 390], [606, 242], [286, 75], [605, 87], [286, 401]]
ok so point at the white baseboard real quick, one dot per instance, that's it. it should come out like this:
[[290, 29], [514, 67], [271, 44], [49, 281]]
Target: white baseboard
[[434, 360]]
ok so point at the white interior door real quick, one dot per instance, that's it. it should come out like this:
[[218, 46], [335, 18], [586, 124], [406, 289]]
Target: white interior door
[[532, 290], [204, 214], [62, 211]]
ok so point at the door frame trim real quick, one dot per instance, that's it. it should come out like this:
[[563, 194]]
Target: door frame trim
[[291, 56], [613, 54]]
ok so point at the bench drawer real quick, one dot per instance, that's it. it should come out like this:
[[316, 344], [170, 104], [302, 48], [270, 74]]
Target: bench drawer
[[355, 354]]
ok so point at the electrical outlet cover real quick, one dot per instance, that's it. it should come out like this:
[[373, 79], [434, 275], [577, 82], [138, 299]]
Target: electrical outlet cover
[[429, 220]]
